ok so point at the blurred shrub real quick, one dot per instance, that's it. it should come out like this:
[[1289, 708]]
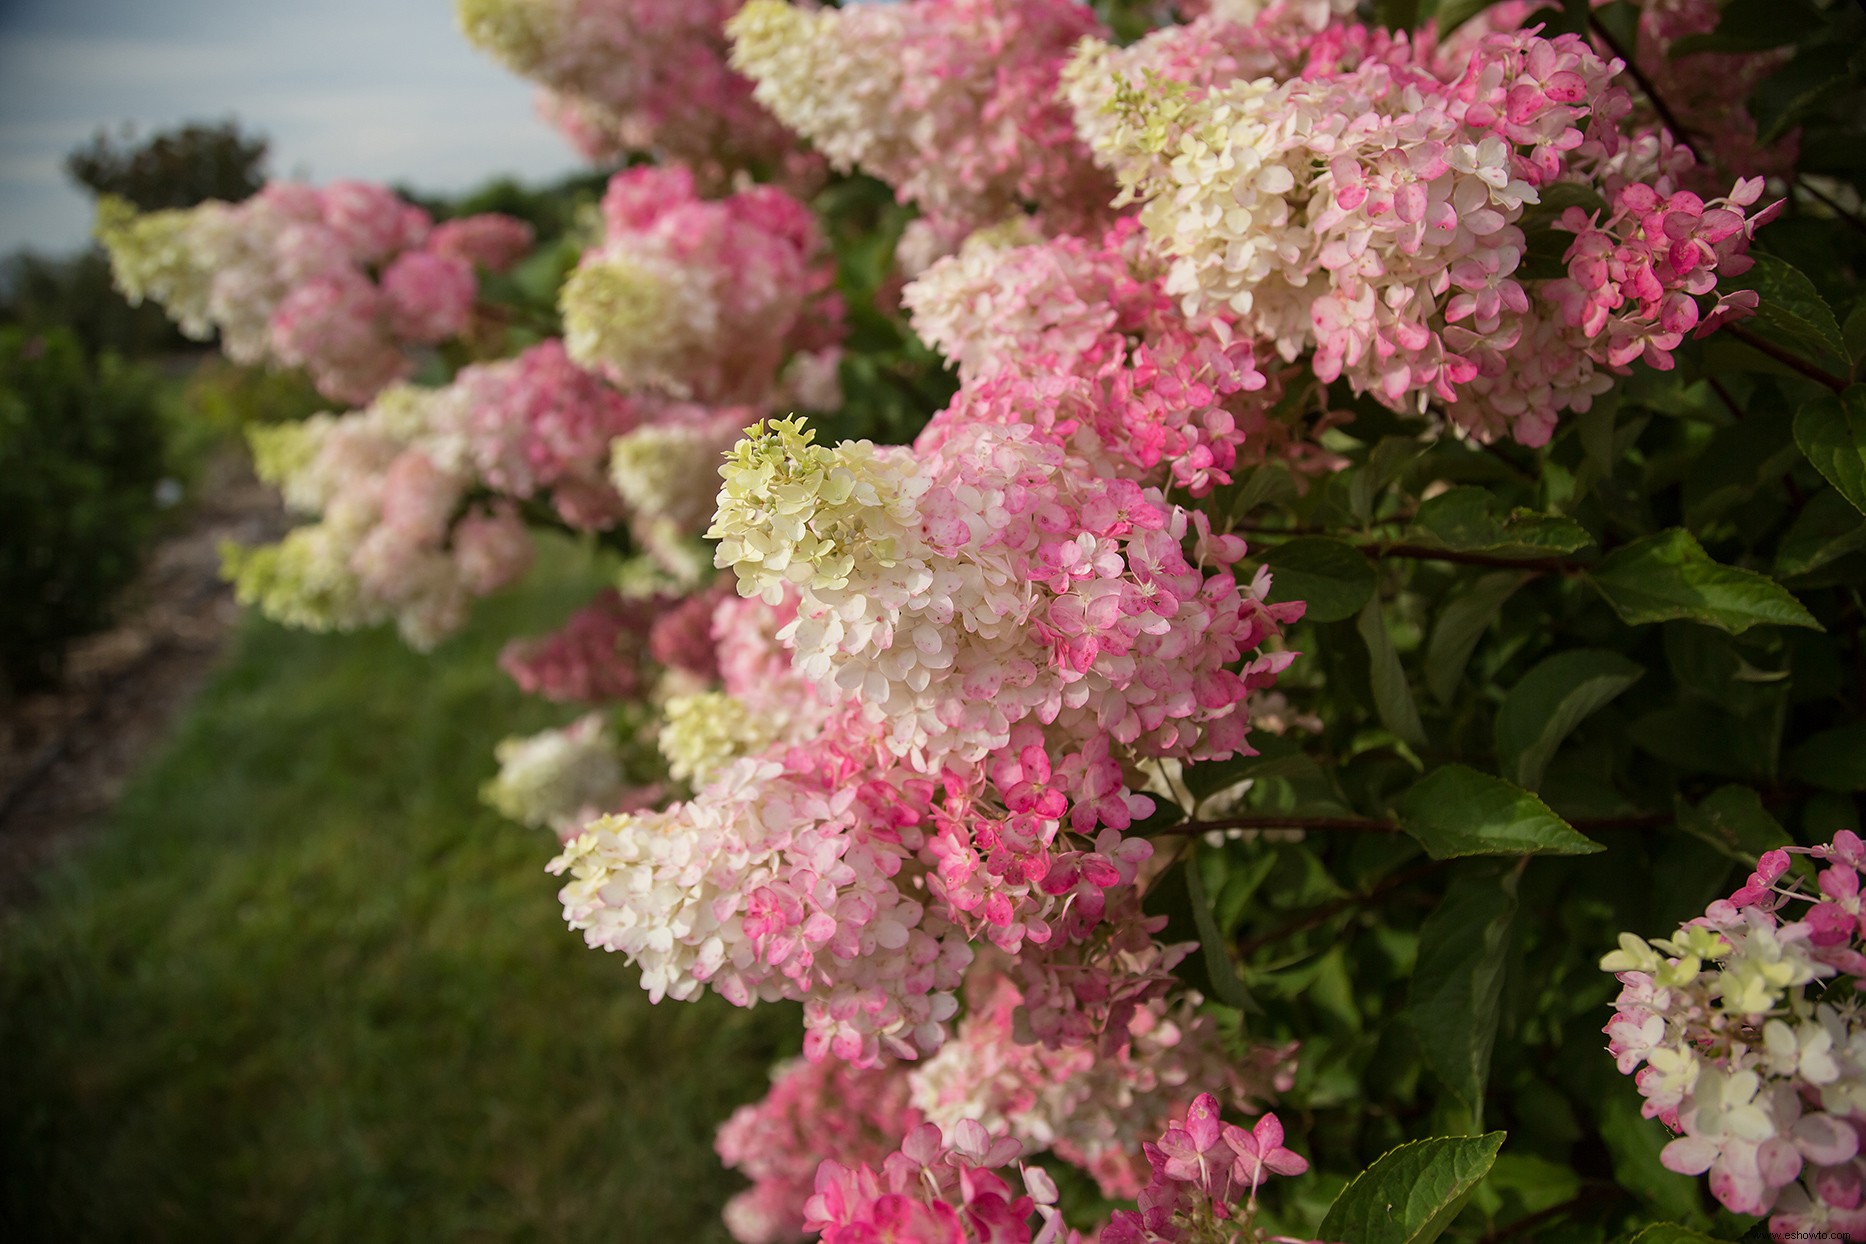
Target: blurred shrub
[[81, 451], [39, 293]]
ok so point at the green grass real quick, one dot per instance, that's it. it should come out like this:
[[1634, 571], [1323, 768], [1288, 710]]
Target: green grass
[[302, 986]]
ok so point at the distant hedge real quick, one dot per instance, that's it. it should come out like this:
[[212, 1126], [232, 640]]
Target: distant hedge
[[81, 450]]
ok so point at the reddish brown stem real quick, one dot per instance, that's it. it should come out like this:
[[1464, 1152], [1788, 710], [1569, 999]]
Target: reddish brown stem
[[1787, 358]]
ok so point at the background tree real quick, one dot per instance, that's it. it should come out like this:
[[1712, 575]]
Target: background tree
[[172, 168]]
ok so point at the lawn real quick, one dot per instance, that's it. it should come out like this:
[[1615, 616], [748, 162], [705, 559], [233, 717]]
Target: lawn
[[302, 986]]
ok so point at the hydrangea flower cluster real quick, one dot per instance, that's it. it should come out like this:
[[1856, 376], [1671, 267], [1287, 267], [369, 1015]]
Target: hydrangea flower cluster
[[635, 75], [341, 281], [1744, 1032], [1205, 1178], [785, 878], [935, 1189], [814, 1111], [951, 1185], [1634, 281], [557, 779], [705, 300], [1081, 341], [596, 656], [1091, 1111], [397, 537], [539, 425], [1364, 203], [951, 102], [666, 473], [958, 592]]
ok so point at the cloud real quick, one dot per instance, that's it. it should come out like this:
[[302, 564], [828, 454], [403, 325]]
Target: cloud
[[381, 89]]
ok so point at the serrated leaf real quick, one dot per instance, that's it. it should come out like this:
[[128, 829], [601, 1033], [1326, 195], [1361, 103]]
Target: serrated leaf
[[1548, 702], [1831, 431], [1457, 982], [1833, 759], [1461, 624], [1458, 811], [1467, 520], [1792, 309], [1670, 576], [1411, 1194], [1333, 576], [1827, 528], [1733, 821], [1392, 693]]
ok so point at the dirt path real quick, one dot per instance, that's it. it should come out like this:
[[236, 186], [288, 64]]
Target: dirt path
[[65, 755]]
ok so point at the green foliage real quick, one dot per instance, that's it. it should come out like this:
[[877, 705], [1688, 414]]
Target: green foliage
[[1412, 1193], [81, 449], [1634, 654], [1466, 520], [77, 294], [1831, 431], [1551, 700], [1457, 985], [1332, 577], [1669, 575], [1459, 811]]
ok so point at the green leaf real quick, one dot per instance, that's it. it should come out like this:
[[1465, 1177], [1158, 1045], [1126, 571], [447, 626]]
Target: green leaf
[[1385, 463], [1741, 457], [1457, 982], [1833, 759], [1791, 308], [1392, 694], [1458, 811], [1219, 968], [1460, 625], [1671, 576], [1275, 757], [1668, 1233], [1334, 577], [1831, 431], [1817, 73], [1828, 528], [1269, 484], [1853, 332], [1734, 822], [1548, 702], [1411, 1194], [1452, 14], [1633, 1142], [1466, 520]]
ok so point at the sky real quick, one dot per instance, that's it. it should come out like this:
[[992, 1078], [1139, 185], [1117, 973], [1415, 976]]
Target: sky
[[385, 90]]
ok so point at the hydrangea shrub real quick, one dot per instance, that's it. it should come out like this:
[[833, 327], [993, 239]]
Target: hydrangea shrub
[[1183, 573]]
